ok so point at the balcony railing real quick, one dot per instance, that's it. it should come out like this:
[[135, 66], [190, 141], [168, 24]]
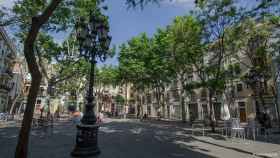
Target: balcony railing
[[6, 86], [9, 72], [11, 56]]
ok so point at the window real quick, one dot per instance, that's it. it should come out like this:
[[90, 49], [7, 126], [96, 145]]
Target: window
[[193, 97], [204, 111], [149, 99], [203, 94], [26, 89], [175, 95], [41, 91], [149, 110], [237, 71], [241, 104], [239, 87], [38, 102], [190, 77]]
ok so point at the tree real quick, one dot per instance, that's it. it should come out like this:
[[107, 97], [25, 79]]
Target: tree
[[59, 63], [133, 65], [217, 16], [159, 70], [106, 76], [119, 99], [31, 17], [254, 43], [186, 50], [37, 21]]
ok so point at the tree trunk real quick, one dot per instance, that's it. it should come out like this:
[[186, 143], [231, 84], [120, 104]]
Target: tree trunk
[[126, 97], [165, 102], [275, 94], [162, 102], [22, 146], [212, 119], [33, 66], [141, 106], [163, 106], [277, 110], [182, 103], [258, 95]]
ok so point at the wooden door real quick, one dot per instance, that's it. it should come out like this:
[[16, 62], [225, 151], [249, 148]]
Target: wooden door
[[242, 115], [242, 112]]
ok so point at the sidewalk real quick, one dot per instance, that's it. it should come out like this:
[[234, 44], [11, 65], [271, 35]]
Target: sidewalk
[[255, 148], [4, 124], [217, 145], [130, 138]]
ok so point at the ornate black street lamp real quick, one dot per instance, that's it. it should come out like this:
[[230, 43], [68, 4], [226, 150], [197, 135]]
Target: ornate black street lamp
[[94, 42]]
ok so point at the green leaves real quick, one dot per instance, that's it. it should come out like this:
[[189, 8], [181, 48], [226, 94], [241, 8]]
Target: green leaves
[[119, 99], [108, 75], [141, 3], [186, 49], [145, 61], [132, 59]]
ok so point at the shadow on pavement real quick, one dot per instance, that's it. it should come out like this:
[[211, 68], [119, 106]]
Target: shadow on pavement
[[116, 140]]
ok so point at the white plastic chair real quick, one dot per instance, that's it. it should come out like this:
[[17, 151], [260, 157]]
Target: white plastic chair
[[236, 130], [226, 127], [198, 127], [252, 129]]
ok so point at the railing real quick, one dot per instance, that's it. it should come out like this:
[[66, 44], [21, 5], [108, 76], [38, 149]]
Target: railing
[[6, 117], [6, 86], [9, 72]]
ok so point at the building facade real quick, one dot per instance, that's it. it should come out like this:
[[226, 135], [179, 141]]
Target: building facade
[[42, 97], [7, 60], [236, 101], [17, 91]]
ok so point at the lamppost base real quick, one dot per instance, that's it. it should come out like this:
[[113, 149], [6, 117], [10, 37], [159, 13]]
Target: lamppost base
[[86, 141]]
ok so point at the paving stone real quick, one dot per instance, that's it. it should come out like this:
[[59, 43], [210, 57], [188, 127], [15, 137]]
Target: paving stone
[[119, 138]]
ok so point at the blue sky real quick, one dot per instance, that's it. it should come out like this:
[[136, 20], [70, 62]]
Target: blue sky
[[126, 23]]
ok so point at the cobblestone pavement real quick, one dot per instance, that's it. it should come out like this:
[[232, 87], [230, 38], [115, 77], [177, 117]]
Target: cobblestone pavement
[[134, 139]]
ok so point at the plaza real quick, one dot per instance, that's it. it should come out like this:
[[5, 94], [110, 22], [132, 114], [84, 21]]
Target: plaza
[[139, 78], [130, 138]]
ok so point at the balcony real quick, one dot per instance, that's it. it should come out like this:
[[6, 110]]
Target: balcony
[[6, 85], [9, 72], [11, 56]]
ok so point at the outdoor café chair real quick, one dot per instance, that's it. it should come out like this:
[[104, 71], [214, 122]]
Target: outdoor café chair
[[236, 130]]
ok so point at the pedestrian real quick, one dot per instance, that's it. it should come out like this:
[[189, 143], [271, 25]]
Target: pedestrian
[[267, 122], [100, 117], [124, 115], [145, 116], [76, 117], [158, 114]]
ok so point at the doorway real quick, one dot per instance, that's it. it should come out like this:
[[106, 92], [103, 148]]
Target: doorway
[[242, 111], [217, 110], [193, 111]]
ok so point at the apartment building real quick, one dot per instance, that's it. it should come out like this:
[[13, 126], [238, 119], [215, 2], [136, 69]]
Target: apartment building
[[237, 100], [16, 93], [42, 97], [7, 60]]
